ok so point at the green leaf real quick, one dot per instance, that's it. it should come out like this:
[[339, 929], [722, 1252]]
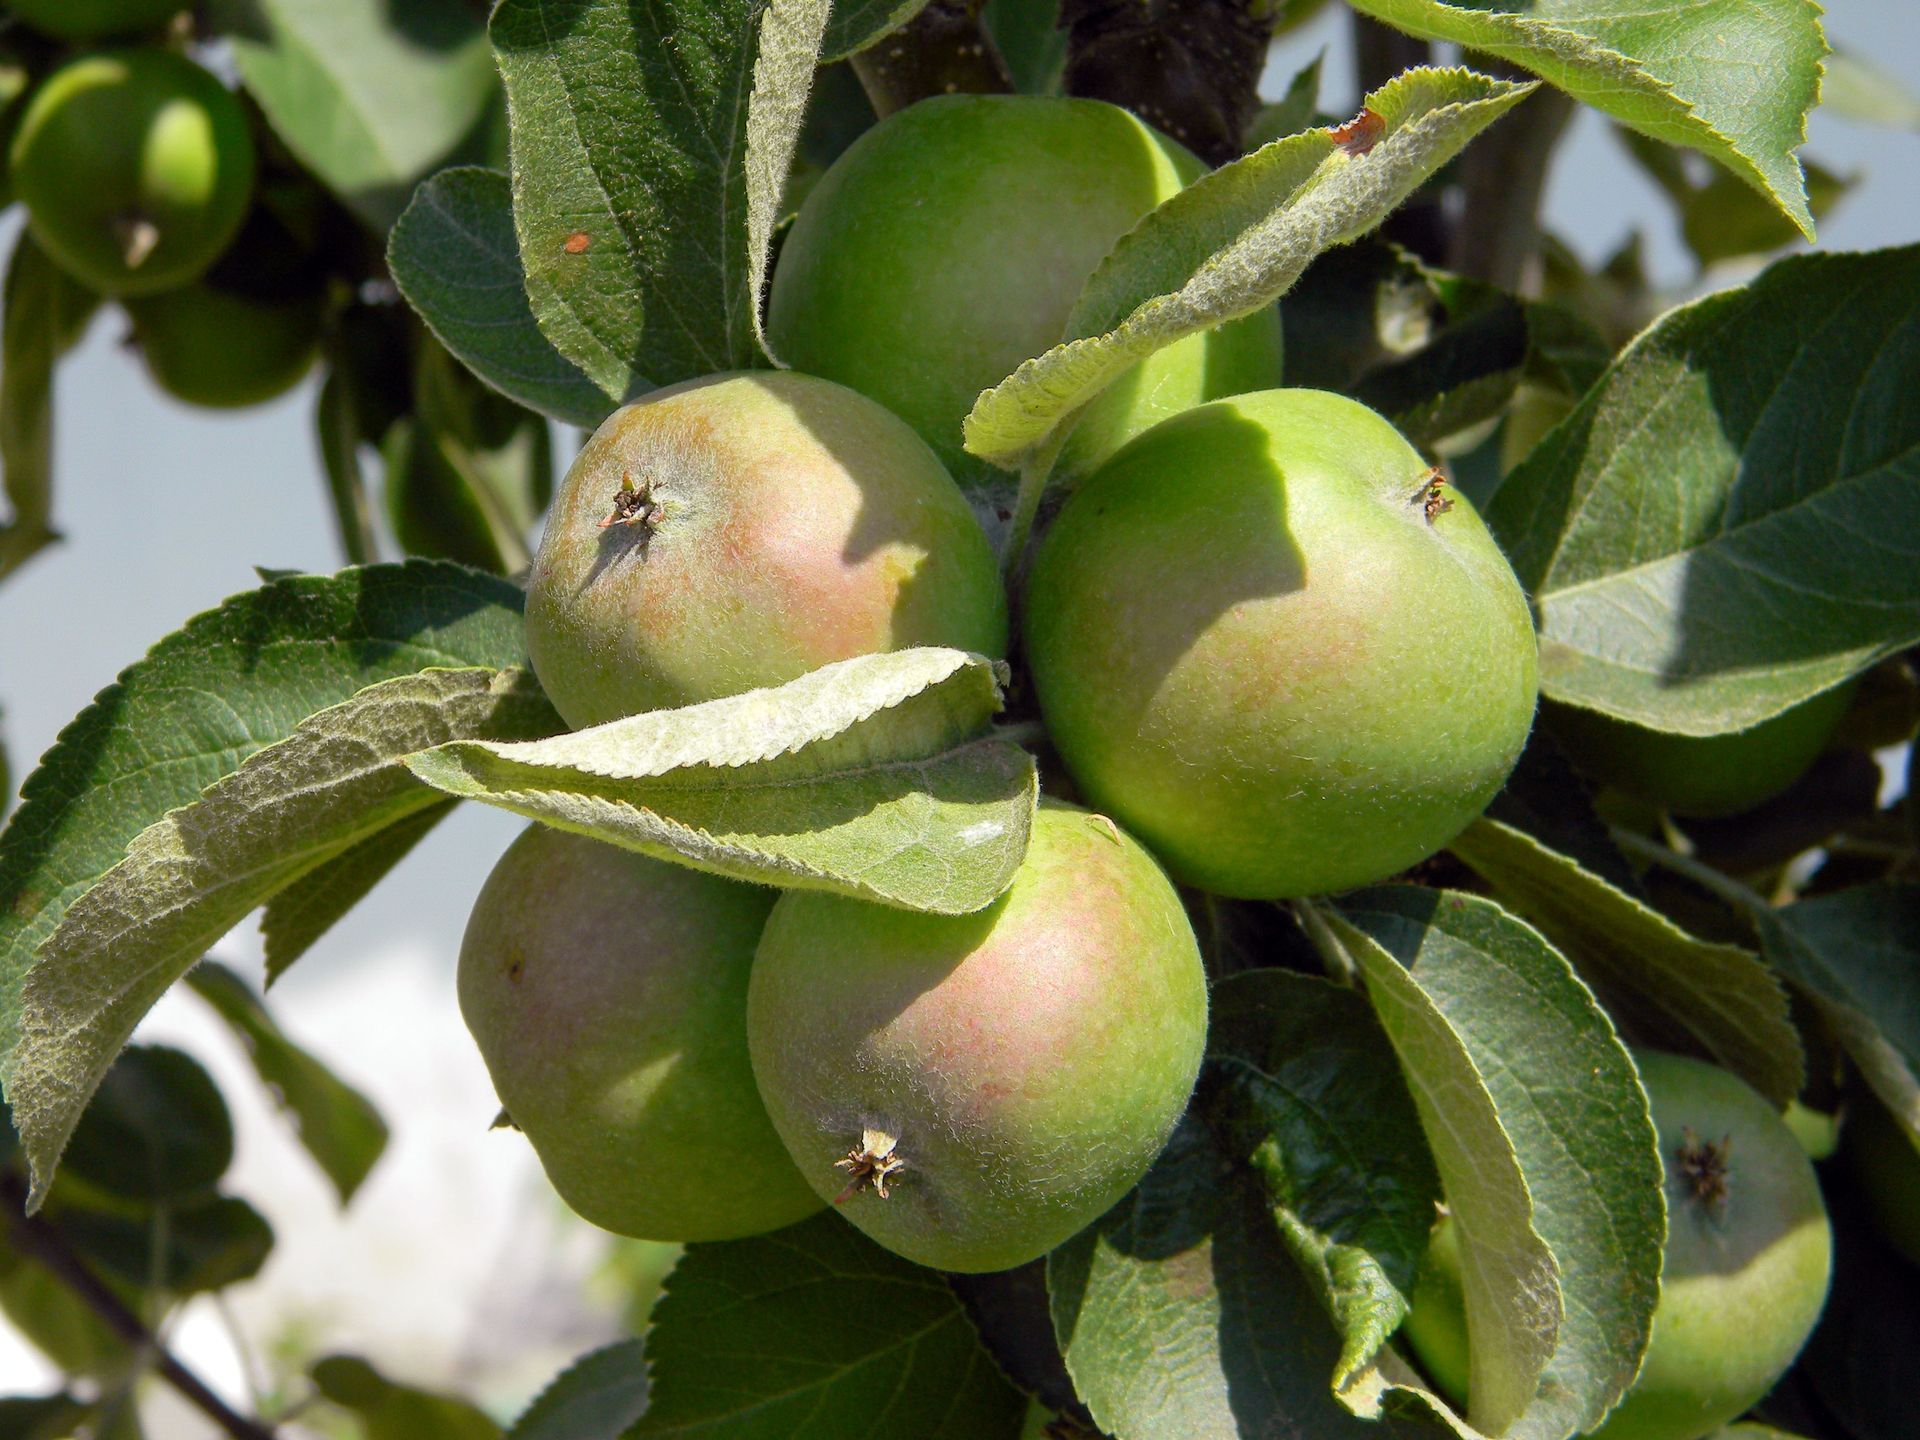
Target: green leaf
[[206, 1244], [300, 914], [1729, 523], [1569, 1099], [1720, 218], [44, 314], [369, 96], [58, 1323], [1857, 952], [1231, 243], [1324, 1115], [1031, 42], [629, 180], [1182, 1316], [1733, 79], [858, 23], [867, 777], [191, 877], [336, 426], [790, 34], [1682, 992], [338, 1125], [41, 1417], [816, 1333], [156, 1130], [1861, 91], [389, 1411], [595, 1398], [454, 256], [230, 681]]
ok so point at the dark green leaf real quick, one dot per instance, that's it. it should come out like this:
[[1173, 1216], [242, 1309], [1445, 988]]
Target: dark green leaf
[[1568, 1097], [1720, 218], [1860, 1359], [1322, 1111], [52, 1318], [454, 256], [337, 432], [1031, 41], [41, 1417], [1733, 79], [156, 1130], [189, 878], [856, 24], [304, 911], [630, 182], [44, 313], [337, 1124], [1681, 992], [370, 95], [206, 1244], [1729, 523], [816, 1333], [389, 1411], [229, 682], [595, 1398]]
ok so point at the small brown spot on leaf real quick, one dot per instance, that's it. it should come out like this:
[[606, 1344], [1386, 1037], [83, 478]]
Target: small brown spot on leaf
[[578, 242], [1361, 133]]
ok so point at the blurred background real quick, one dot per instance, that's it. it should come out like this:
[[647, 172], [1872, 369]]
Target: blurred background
[[455, 1266]]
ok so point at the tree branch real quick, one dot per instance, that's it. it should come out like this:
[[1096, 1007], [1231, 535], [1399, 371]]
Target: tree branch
[[1189, 67], [944, 50], [1503, 174], [36, 1237]]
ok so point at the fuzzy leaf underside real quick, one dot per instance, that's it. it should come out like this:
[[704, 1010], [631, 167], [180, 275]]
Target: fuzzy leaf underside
[[454, 256], [1682, 991], [229, 682], [192, 876], [1232, 243], [856, 24], [868, 777], [1729, 522], [1567, 1096], [790, 36], [1733, 79]]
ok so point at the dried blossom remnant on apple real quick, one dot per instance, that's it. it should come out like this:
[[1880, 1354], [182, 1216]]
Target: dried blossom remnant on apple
[[635, 505], [1703, 1165], [872, 1162], [1431, 490]]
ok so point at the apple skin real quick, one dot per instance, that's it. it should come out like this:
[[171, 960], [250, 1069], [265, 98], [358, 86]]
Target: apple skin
[[1030, 1059], [1253, 649], [607, 993], [215, 348], [129, 135], [1701, 775], [1886, 1162], [801, 524], [949, 243], [82, 21], [1742, 1282]]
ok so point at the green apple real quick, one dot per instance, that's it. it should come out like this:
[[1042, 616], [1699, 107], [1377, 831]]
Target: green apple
[[213, 347], [1743, 1279], [974, 1089], [1701, 775], [764, 524], [136, 168], [1255, 648], [949, 243], [607, 993], [1886, 1162]]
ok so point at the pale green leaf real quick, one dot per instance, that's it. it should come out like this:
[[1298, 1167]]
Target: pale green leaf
[[191, 877], [371, 96], [868, 777], [1729, 523], [1867, 95], [1733, 79], [790, 34], [856, 24], [595, 1398], [1568, 1097], [336, 1123], [1231, 243], [454, 256], [1510, 1276], [390, 1411], [816, 1333], [1682, 992]]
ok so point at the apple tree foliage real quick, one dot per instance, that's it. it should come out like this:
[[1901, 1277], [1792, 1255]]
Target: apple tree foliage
[[533, 211]]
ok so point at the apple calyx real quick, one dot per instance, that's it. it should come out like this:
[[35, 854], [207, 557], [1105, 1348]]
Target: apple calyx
[[1702, 1164], [635, 505], [871, 1162]]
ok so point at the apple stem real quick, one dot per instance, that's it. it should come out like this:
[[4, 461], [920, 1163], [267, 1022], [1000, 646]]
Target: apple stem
[[944, 50], [1742, 898]]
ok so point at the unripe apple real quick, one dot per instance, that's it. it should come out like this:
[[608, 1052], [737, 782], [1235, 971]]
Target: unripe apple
[[1743, 1278], [136, 167], [607, 993], [763, 525], [1264, 643], [1702, 775], [974, 1089], [949, 243], [87, 20], [213, 347]]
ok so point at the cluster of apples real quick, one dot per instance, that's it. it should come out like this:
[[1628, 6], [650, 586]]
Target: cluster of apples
[[1256, 643], [138, 170]]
